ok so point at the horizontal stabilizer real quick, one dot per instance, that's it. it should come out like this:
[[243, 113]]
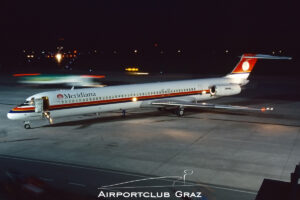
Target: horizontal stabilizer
[[265, 56]]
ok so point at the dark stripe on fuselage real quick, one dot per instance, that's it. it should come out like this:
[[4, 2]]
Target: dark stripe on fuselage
[[21, 111]]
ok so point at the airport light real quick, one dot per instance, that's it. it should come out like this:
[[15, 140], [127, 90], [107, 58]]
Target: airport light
[[58, 57], [141, 73], [132, 69]]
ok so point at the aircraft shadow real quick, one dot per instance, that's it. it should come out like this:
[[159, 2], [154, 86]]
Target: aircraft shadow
[[84, 123]]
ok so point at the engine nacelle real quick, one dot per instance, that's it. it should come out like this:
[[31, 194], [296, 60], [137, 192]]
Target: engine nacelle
[[225, 90]]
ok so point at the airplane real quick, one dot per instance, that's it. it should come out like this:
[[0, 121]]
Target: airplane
[[59, 79], [175, 94]]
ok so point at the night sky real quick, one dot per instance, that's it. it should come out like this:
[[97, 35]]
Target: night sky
[[194, 26]]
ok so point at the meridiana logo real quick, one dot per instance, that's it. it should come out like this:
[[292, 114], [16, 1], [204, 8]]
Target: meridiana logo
[[60, 96], [76, 95], [246, 66]]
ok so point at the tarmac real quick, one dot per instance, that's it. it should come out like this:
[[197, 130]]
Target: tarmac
[[228, 151]]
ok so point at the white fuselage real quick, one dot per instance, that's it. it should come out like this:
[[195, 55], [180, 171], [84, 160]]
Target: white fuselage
[[63, 103]]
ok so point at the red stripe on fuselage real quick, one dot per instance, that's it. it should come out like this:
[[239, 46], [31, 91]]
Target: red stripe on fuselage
[[23, 108]]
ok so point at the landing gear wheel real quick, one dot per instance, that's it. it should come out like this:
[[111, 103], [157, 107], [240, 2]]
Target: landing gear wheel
[[180, 112], [27, 126], [161, 109]]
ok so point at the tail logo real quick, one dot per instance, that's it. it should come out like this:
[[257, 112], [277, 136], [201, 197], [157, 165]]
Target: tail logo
[[245, 66]]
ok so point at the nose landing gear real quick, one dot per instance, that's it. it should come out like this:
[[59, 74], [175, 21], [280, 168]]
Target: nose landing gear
[[27, 125]]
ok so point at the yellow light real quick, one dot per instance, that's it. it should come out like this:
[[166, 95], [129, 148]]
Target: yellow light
[[134, 99], [58, 57], [204, 92]]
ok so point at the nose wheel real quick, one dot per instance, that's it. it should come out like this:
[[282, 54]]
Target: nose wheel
[[27, 125]]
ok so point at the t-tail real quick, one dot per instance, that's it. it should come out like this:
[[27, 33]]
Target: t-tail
[[246, 64]]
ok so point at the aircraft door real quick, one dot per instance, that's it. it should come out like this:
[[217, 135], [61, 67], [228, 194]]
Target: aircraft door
[[41, 104], [45, 103], [38, 104]]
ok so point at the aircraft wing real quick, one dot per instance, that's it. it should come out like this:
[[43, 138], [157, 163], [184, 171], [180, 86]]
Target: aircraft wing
[[177, 103]]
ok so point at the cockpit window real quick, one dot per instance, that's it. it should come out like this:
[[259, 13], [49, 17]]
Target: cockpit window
[[27, 103]]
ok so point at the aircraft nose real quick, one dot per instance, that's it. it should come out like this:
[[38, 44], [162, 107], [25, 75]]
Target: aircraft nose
[[10, 115]]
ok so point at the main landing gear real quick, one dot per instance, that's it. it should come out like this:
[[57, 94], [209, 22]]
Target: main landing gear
[[180, 111], [123, 113], [27, 125]]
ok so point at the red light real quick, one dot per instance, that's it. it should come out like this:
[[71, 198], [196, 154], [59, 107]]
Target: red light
[[26, 74], [92, 76]]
